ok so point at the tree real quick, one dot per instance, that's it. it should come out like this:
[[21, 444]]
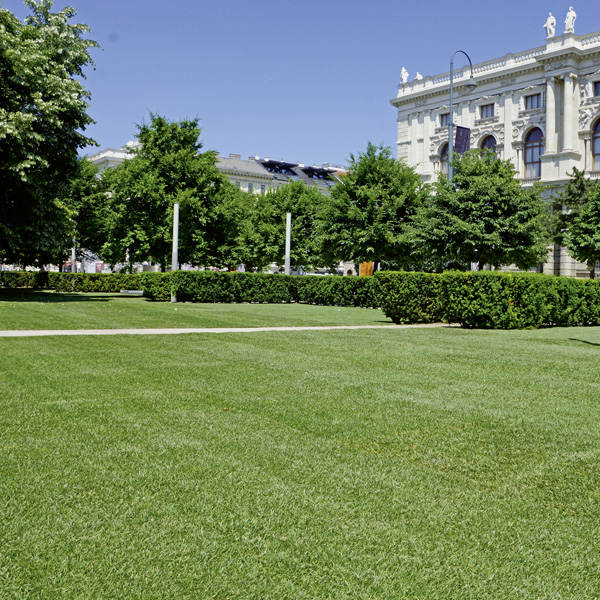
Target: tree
[[483, 215], [574, 197], [370, 210], [168, 167], [582, 239], [42, 115], [264, 236]]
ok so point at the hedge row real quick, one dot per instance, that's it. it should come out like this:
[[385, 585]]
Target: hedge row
[[474, 299], [71, 282], [212, 286]]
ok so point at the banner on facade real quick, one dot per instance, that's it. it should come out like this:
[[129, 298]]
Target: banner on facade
[[462, 141]]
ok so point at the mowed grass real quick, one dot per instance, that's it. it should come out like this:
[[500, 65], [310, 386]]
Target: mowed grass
[[36, 309], [416, 463]]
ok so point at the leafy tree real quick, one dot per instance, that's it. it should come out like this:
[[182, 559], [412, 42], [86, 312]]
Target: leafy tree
[[369, 212], [264, 235], [87, 200], [482, 216], [168, 167], [582, 239], [42, 115], [575, 197]]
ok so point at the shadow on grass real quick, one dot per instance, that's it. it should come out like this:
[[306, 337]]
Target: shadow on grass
[[584, 342], [27, 295]]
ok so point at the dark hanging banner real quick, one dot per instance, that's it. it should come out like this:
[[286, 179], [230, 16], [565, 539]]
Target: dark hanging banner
[[462, 141]]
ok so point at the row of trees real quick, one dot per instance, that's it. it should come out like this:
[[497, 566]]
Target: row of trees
[[379, 212]]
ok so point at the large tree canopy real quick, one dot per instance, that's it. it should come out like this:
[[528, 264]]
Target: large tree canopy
[[42, 115], [483, 216], [370, 210], [166, 168]]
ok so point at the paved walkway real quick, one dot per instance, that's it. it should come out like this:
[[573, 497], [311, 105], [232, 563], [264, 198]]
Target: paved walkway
[[173, 331]]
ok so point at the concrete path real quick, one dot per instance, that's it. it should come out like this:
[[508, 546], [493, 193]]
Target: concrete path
[[173, 331]]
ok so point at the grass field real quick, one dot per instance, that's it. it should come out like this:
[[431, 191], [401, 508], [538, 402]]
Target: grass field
[[29, 309], [403, 463]]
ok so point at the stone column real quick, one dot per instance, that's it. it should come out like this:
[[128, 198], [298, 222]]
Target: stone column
[[569, 126], [551, 117], [426, 140]]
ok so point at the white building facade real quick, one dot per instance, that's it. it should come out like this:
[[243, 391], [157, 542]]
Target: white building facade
[[539, 108]]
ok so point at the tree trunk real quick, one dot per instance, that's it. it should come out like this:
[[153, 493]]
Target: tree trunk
[[480, 265]]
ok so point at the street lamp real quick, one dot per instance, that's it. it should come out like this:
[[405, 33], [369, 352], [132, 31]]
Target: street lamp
[[470, 85]]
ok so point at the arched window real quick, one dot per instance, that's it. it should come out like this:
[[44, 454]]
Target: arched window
[[444, 159], [534, 148], [596, 146], [488, 143]]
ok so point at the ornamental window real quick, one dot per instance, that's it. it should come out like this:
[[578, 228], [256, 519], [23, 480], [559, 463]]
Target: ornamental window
[[444, 160], [596, 145], [596, 88], [534, 148], [532, 102], [488, 143], [486, 111], [444, 119]]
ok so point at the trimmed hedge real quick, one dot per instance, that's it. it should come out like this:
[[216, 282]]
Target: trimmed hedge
[[71, 282], [492, 300], [214, 286], [407, 297], [333, 290]]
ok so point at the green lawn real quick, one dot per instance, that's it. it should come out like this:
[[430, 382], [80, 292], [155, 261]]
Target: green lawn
[[29, 309], [373, 464]]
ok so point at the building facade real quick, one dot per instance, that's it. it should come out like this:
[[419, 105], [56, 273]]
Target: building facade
[[255, 175], [539, 108]]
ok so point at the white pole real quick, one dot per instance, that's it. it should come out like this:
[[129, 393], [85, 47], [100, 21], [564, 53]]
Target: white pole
[[174, 257], [73, 263], [288, 241]]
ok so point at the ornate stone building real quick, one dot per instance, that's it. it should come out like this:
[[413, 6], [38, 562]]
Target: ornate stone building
[[539, 108]]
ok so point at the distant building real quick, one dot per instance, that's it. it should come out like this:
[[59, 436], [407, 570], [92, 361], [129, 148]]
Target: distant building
[[255, 175], [539, 108]]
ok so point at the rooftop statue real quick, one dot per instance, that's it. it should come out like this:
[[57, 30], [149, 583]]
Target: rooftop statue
[[403, 76], [418, 76], [570, 21], [550, 25]]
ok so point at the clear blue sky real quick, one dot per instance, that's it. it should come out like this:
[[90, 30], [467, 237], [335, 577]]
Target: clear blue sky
[[301, 81]]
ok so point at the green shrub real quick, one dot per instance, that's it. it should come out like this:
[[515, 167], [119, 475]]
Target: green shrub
[[156, 286], [17, 279], [333, 290], [409, 297]]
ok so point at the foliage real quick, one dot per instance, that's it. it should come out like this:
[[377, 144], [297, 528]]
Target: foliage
[[71, 282], [494, 300], [369, 211], [574, 198], [264, 237], [410, 297], [332, 290], [482, 216], [582, 238], [87, 199], [42, 115], [165, 169]]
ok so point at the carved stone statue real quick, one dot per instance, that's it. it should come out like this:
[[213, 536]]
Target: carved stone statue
[[550, 25], [418, 76], [403, 76], [570, 21]]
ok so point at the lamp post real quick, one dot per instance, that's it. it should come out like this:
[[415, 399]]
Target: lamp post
[[470, 85]]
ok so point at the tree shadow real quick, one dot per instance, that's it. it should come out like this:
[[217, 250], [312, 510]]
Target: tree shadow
[[584, 342], [28, 295]]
